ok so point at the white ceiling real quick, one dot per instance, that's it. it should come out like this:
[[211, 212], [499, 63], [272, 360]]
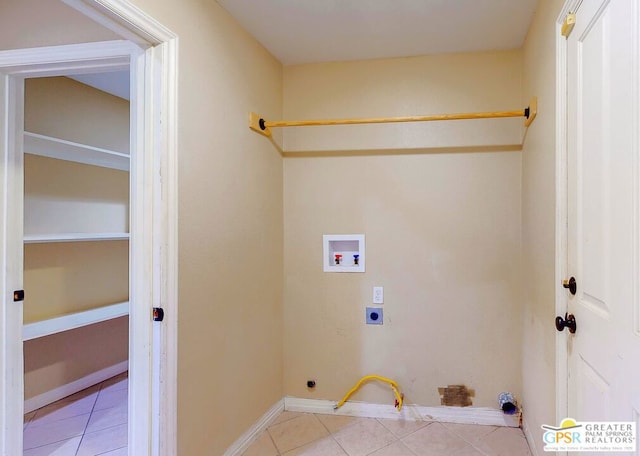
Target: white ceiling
[[304, 31]]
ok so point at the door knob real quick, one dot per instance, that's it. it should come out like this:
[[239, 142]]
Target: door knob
[[569, 321], [571, 284]]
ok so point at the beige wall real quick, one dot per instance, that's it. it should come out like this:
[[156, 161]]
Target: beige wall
[[437, 84], [231, 235], [62, 358], [68, 197], [442, 234], [231, 219], [32, 23], [538, 224], [63, 278], [66, 109]]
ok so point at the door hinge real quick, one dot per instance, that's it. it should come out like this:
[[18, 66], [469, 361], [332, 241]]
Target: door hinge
[[568, 24], [158, 314]]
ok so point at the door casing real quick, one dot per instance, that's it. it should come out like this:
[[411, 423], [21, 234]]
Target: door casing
[[562, 214], [153, 277]]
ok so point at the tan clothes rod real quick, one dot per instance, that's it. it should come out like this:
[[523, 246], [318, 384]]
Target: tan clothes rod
[[262, 126]]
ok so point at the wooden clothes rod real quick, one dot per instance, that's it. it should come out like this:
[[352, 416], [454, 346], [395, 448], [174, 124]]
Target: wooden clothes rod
[[263, 126]]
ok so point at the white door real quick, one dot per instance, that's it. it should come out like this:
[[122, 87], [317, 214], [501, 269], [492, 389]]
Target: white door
[[603, 207]]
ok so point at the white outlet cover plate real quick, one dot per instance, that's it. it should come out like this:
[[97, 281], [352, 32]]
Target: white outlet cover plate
[[378, 295]]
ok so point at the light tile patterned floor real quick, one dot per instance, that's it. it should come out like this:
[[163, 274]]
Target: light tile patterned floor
[[89, 423], [306, 434]]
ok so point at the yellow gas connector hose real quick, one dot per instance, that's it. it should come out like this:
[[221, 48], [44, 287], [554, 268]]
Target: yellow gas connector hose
[[394, 387]]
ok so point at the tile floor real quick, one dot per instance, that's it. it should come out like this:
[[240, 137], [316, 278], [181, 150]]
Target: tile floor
[[94, 422], [90, 423], [306, 434]]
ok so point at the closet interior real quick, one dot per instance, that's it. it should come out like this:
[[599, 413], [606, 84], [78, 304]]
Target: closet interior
[[76, 238]]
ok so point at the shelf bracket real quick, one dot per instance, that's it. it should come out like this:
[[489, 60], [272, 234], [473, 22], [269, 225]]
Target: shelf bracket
[[531, 111], [257, 123]]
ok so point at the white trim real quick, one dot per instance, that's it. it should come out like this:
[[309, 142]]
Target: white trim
[[531, 440], [570, 6], [462, 415], [45, 61], [167, 264], [74, 237], [11, 227], [561, 244], [250, 435], [142, 286], [74, 320], [125, 19], [161, 131], [76, 386], [47, 146]]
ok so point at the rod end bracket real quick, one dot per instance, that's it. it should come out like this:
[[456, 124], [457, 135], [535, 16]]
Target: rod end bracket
[[531, 112], [256, 123]]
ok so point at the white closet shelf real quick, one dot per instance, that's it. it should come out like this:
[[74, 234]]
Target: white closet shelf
[[47, 146], [73, 237], [74, 320]]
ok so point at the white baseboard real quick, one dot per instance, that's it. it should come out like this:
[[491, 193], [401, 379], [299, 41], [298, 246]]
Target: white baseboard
[[251, 434], [531, 440], [71, 388], [462, 415]]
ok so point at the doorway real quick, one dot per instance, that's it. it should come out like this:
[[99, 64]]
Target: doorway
[[76, 262], [151, 429]]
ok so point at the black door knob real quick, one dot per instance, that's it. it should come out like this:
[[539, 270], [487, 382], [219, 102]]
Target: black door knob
[[569, 321], [571, 284]]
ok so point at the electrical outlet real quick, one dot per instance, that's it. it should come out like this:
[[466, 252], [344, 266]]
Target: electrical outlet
[[378, 295], [374, 315]]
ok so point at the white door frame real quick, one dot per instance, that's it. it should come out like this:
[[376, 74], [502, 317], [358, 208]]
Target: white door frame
[[153, 277], [562, 214], [562, 358]]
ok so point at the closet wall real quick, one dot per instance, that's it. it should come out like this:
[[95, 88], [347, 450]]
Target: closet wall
[[68, 197], [439, 204]]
